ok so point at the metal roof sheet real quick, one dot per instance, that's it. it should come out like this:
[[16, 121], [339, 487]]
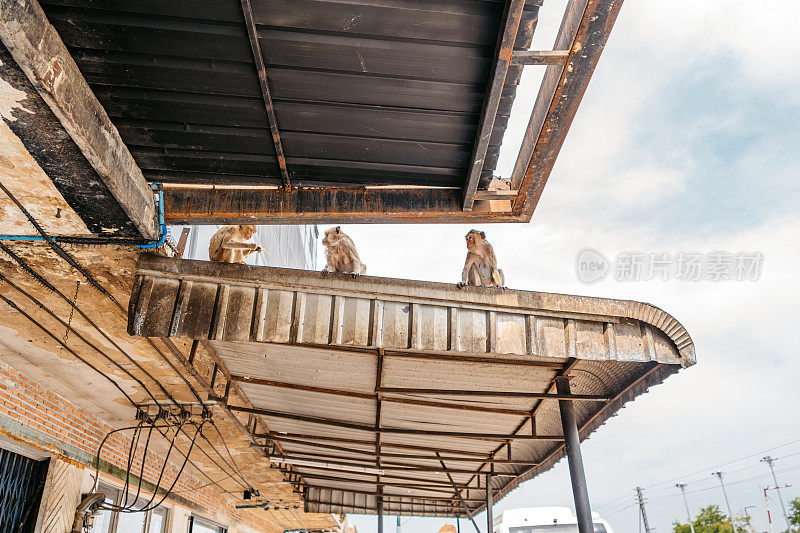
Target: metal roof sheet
[[395, 86], [360, 382]]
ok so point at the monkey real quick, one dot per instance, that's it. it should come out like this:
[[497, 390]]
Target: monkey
[[341, 252], [228, 246], [480, 268]]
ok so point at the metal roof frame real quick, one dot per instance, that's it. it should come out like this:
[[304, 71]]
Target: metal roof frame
[[190, 114], [382, 395]]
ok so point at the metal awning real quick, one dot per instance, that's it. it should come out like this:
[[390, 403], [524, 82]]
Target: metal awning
[[294, 112], [405, 392]]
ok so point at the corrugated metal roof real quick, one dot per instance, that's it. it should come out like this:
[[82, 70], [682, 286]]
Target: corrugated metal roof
[[371, 92], [338, 369]]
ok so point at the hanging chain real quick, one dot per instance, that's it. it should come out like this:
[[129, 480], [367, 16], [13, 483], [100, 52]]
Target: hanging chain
[[72, 310]]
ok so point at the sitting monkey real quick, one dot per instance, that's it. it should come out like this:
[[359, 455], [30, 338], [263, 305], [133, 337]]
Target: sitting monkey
[[480, 268], [227, 244], [341, 252]]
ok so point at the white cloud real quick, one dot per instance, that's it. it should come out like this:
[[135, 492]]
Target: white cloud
[[742, 395]]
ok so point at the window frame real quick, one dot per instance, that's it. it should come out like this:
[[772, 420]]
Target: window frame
[[116, 495], [206, 523]]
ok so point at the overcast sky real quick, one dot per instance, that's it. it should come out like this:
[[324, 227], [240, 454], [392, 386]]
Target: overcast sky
[[686, 141]]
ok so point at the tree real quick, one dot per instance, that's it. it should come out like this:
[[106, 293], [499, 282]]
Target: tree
[[709, 520], [794, 512]]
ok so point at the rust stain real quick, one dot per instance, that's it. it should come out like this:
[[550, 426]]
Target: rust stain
[[51, 76]]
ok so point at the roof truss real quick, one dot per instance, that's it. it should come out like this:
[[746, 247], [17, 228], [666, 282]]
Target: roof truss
[[364, 406]]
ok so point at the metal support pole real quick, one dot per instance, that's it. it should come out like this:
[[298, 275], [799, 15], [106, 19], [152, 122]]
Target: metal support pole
[[769, 460], [682, 486], [380, 514], [572, 444], [397, 525], [489, 503], [722, 484]]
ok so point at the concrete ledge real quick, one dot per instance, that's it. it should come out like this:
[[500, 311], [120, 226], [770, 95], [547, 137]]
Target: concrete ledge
[[38, 50]]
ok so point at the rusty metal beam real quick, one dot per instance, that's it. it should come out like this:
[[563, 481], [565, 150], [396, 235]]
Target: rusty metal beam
[[569, 365], [416, 480], [373, 493], [397, 500], [530, 57], [457, 492], [584, 31], [372, 455], [396, 431], [495, 194], [503, 394], [301, 460], [389, 399], [302, 438], [329, 205], [261, 68], [505, 46]]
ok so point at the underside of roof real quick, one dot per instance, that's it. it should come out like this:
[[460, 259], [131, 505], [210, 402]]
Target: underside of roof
[[412, 393], [365, 93], [294, 112]]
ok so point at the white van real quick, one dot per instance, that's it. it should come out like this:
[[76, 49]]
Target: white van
[[544, 520]]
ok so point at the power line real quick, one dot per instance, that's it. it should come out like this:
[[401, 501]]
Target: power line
[[614, 502], [723, 464]]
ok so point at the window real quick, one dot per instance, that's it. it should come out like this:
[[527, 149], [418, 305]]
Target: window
[[102, 522], [154, 521], [158, 521], [201, 525]]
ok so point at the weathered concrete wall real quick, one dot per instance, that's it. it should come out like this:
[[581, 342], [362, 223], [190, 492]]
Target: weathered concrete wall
[[39, 52]]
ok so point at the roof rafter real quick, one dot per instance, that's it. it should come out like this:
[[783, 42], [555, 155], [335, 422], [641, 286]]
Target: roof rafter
[[512, 17], [261, 68]]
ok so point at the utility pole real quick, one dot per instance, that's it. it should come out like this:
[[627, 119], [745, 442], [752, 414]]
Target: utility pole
[[728, 503], [682, 486], [769, 460], [641, 508]]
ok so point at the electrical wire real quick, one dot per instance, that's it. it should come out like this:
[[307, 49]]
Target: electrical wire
[[297, 517], [228, 451], [72, 262], [49, 286], [70, 350], [56, 247], [133, 447], [617, 509], [152, 506], [133, 403], [76, 333], [245, 486], [43, 328], [658, 486]]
